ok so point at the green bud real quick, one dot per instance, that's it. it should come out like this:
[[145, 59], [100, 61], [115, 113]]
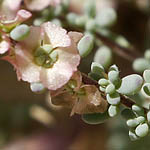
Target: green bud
[[142, 130], [132, 123], [133, 136], [110, 89], [146, 89], [131, 84], [113, 110], [90, 8], [113, 99], [103, 56], [106, 17], [141, 64], [71, 18], [102, 89], [103, 82], [128, 114], [113, 77], [141, 119], [95, 118], [90, 25], [81, 21], [146, 76], [57, 22], [147, 54], [38, 21], [85, 46], [122, 41], [138, 110], [37, 87], [97, 68], [20, 32]]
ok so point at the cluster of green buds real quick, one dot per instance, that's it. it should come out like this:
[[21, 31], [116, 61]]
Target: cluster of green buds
[[110, 85], [92, 19], [137, 121], [52, 14], [141, 64], [146, 86]]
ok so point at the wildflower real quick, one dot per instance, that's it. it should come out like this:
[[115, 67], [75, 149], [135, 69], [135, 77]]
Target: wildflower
[[48, 55]]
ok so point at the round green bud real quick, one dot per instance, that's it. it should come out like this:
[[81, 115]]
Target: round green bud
[[147, 54], [85, 45], [106, 17], [38, 21], [122, 41], [142, 130], [132, 123], [90, 8], [141, 64], [103, 82], [110, 89], [146, 90], [81, 21], [113, 77], [141, 119], [57, 22], [133, 136], [113, 99], [90, 25], [131, 84], [37, 87], [113, 110], [20, 32], [146, 76], [138, 110], [97, 68], [128, 114], [95, 118], [103, 56], [102, 89], [71, 18]]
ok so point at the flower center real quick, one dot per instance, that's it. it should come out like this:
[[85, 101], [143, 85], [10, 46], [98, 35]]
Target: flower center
[[45, 56]]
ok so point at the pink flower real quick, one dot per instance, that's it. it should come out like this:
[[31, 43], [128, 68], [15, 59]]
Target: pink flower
[[79, 97], [49, 55], [37, 5]]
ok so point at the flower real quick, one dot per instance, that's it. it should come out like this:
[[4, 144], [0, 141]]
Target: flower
[[37, 5], [48, 55], [81, 98]]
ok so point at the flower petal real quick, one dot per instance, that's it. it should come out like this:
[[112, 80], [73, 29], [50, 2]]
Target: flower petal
[[4, 46], [33, 40], [57, 36], [76, 36], [37, 5], [92, 102], [29, 71]]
